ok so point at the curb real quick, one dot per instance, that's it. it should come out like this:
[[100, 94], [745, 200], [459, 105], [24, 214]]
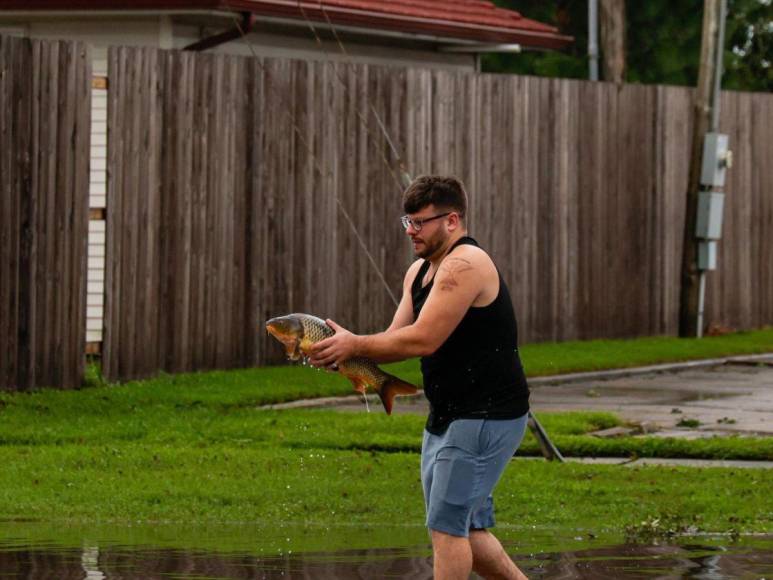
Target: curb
[[661, 461], [665, 367]]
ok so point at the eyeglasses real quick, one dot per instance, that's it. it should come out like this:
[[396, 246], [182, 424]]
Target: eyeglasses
[[417, 224]]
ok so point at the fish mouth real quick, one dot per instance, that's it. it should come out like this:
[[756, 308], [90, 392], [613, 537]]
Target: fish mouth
[[290, 340]]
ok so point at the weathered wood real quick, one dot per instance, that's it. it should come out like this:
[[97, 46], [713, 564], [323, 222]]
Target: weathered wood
[[44, 139], [230, 208]]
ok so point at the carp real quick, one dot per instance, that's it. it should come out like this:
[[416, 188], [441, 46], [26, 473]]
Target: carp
[[298, 332]]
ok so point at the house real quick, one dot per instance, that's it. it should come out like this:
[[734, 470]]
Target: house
[[429, 33]]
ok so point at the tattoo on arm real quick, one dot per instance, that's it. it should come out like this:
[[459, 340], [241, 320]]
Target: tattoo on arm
[[450, 268]]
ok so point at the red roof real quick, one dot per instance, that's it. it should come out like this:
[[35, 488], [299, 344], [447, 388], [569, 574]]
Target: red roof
[[476, 20]]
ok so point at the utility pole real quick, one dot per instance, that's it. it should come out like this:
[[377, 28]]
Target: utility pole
[[612, 25], [593, 40], [708, 79]]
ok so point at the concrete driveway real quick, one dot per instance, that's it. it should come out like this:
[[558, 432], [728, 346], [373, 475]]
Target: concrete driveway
[[723, 399]]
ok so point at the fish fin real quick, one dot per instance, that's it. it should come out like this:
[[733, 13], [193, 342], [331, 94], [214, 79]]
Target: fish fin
[[393, 387], [359, 385], [293, 350]]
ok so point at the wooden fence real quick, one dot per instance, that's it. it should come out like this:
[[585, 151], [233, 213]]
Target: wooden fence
[[44, 187], [226, 176]]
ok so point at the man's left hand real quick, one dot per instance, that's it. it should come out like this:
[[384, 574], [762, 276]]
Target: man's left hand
[[333, 351]]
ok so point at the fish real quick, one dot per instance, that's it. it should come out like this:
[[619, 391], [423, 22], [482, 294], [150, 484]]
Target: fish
[[298, 332]]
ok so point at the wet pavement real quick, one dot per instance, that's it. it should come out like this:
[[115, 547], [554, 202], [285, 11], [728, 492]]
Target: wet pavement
[[724, 399]]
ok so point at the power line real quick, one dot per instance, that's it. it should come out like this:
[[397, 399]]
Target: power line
[[324, 174], [404, 175]]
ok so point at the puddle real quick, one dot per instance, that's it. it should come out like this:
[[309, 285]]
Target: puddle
[[39, 550]]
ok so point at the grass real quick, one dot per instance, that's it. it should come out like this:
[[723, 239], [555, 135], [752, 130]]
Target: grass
[[215, 415], [206, 454], [578, 356], [244, 483], [196, 448], [279, 384]]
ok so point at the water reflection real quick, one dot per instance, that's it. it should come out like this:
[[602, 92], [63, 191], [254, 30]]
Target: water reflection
[[104, 556]]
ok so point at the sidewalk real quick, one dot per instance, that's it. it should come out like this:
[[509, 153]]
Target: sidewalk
[[676, 462]]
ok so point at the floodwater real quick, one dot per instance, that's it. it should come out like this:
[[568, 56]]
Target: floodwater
[[39, 550]]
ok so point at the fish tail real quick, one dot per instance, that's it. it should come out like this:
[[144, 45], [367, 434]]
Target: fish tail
[[392, 387]]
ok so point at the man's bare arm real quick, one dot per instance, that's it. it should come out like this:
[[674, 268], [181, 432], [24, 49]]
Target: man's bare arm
[[457, 284]]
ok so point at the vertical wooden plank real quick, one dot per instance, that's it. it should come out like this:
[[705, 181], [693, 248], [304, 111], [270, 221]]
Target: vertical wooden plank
[[79, 241], [154, 156], [5, 222], [40, 350], [187, 130], [114, 220], [181, 102], [259, 210], [8, 237], [132, 208], [225, 191], [23, 217], [167, 209], [236, 245], [64, 204]]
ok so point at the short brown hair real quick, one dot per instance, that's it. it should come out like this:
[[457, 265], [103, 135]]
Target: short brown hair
[[443, 192]]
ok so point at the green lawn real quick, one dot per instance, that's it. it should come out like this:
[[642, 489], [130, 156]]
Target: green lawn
[[287, 383], [249, 483], [205, 455], [197, 448], [576, 356]]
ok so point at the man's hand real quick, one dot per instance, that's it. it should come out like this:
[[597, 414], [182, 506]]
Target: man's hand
[[333, 351]]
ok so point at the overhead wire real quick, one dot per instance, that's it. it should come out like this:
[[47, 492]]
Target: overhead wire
[[404, 175], [324, 174], [549, 450]]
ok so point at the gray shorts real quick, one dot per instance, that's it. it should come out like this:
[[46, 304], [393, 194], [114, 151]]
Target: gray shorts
[[460, 468]]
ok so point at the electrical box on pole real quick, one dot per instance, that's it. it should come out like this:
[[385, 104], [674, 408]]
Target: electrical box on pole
[[707, 255], [716, 159], [708, 222]]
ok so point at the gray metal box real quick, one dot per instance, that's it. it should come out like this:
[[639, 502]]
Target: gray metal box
[[708, 223], [707, 255], [716, 158]]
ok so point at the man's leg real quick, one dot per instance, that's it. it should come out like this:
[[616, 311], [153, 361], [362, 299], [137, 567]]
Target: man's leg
[[452, 556], [489, 558]]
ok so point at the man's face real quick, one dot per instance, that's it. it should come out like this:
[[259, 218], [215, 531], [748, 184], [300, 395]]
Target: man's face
[[432, 235]]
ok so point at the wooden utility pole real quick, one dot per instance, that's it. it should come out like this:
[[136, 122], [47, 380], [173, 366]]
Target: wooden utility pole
[[612, 25], [689, 297]]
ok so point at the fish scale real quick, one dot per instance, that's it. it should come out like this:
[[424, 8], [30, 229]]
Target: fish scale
[[315, 330], [300, 331]]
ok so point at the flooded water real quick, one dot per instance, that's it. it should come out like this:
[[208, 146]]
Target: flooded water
[[38, 550]]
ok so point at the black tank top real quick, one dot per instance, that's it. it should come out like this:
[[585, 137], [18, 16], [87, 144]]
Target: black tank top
[[476, 373]]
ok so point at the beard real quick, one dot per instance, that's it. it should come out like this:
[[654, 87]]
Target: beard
[[428, 246]]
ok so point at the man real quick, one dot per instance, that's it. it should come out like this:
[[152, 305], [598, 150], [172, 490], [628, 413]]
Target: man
[[457, 315]]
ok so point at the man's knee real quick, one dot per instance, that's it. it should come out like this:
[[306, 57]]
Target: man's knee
[[449, 548], [441, 539]]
